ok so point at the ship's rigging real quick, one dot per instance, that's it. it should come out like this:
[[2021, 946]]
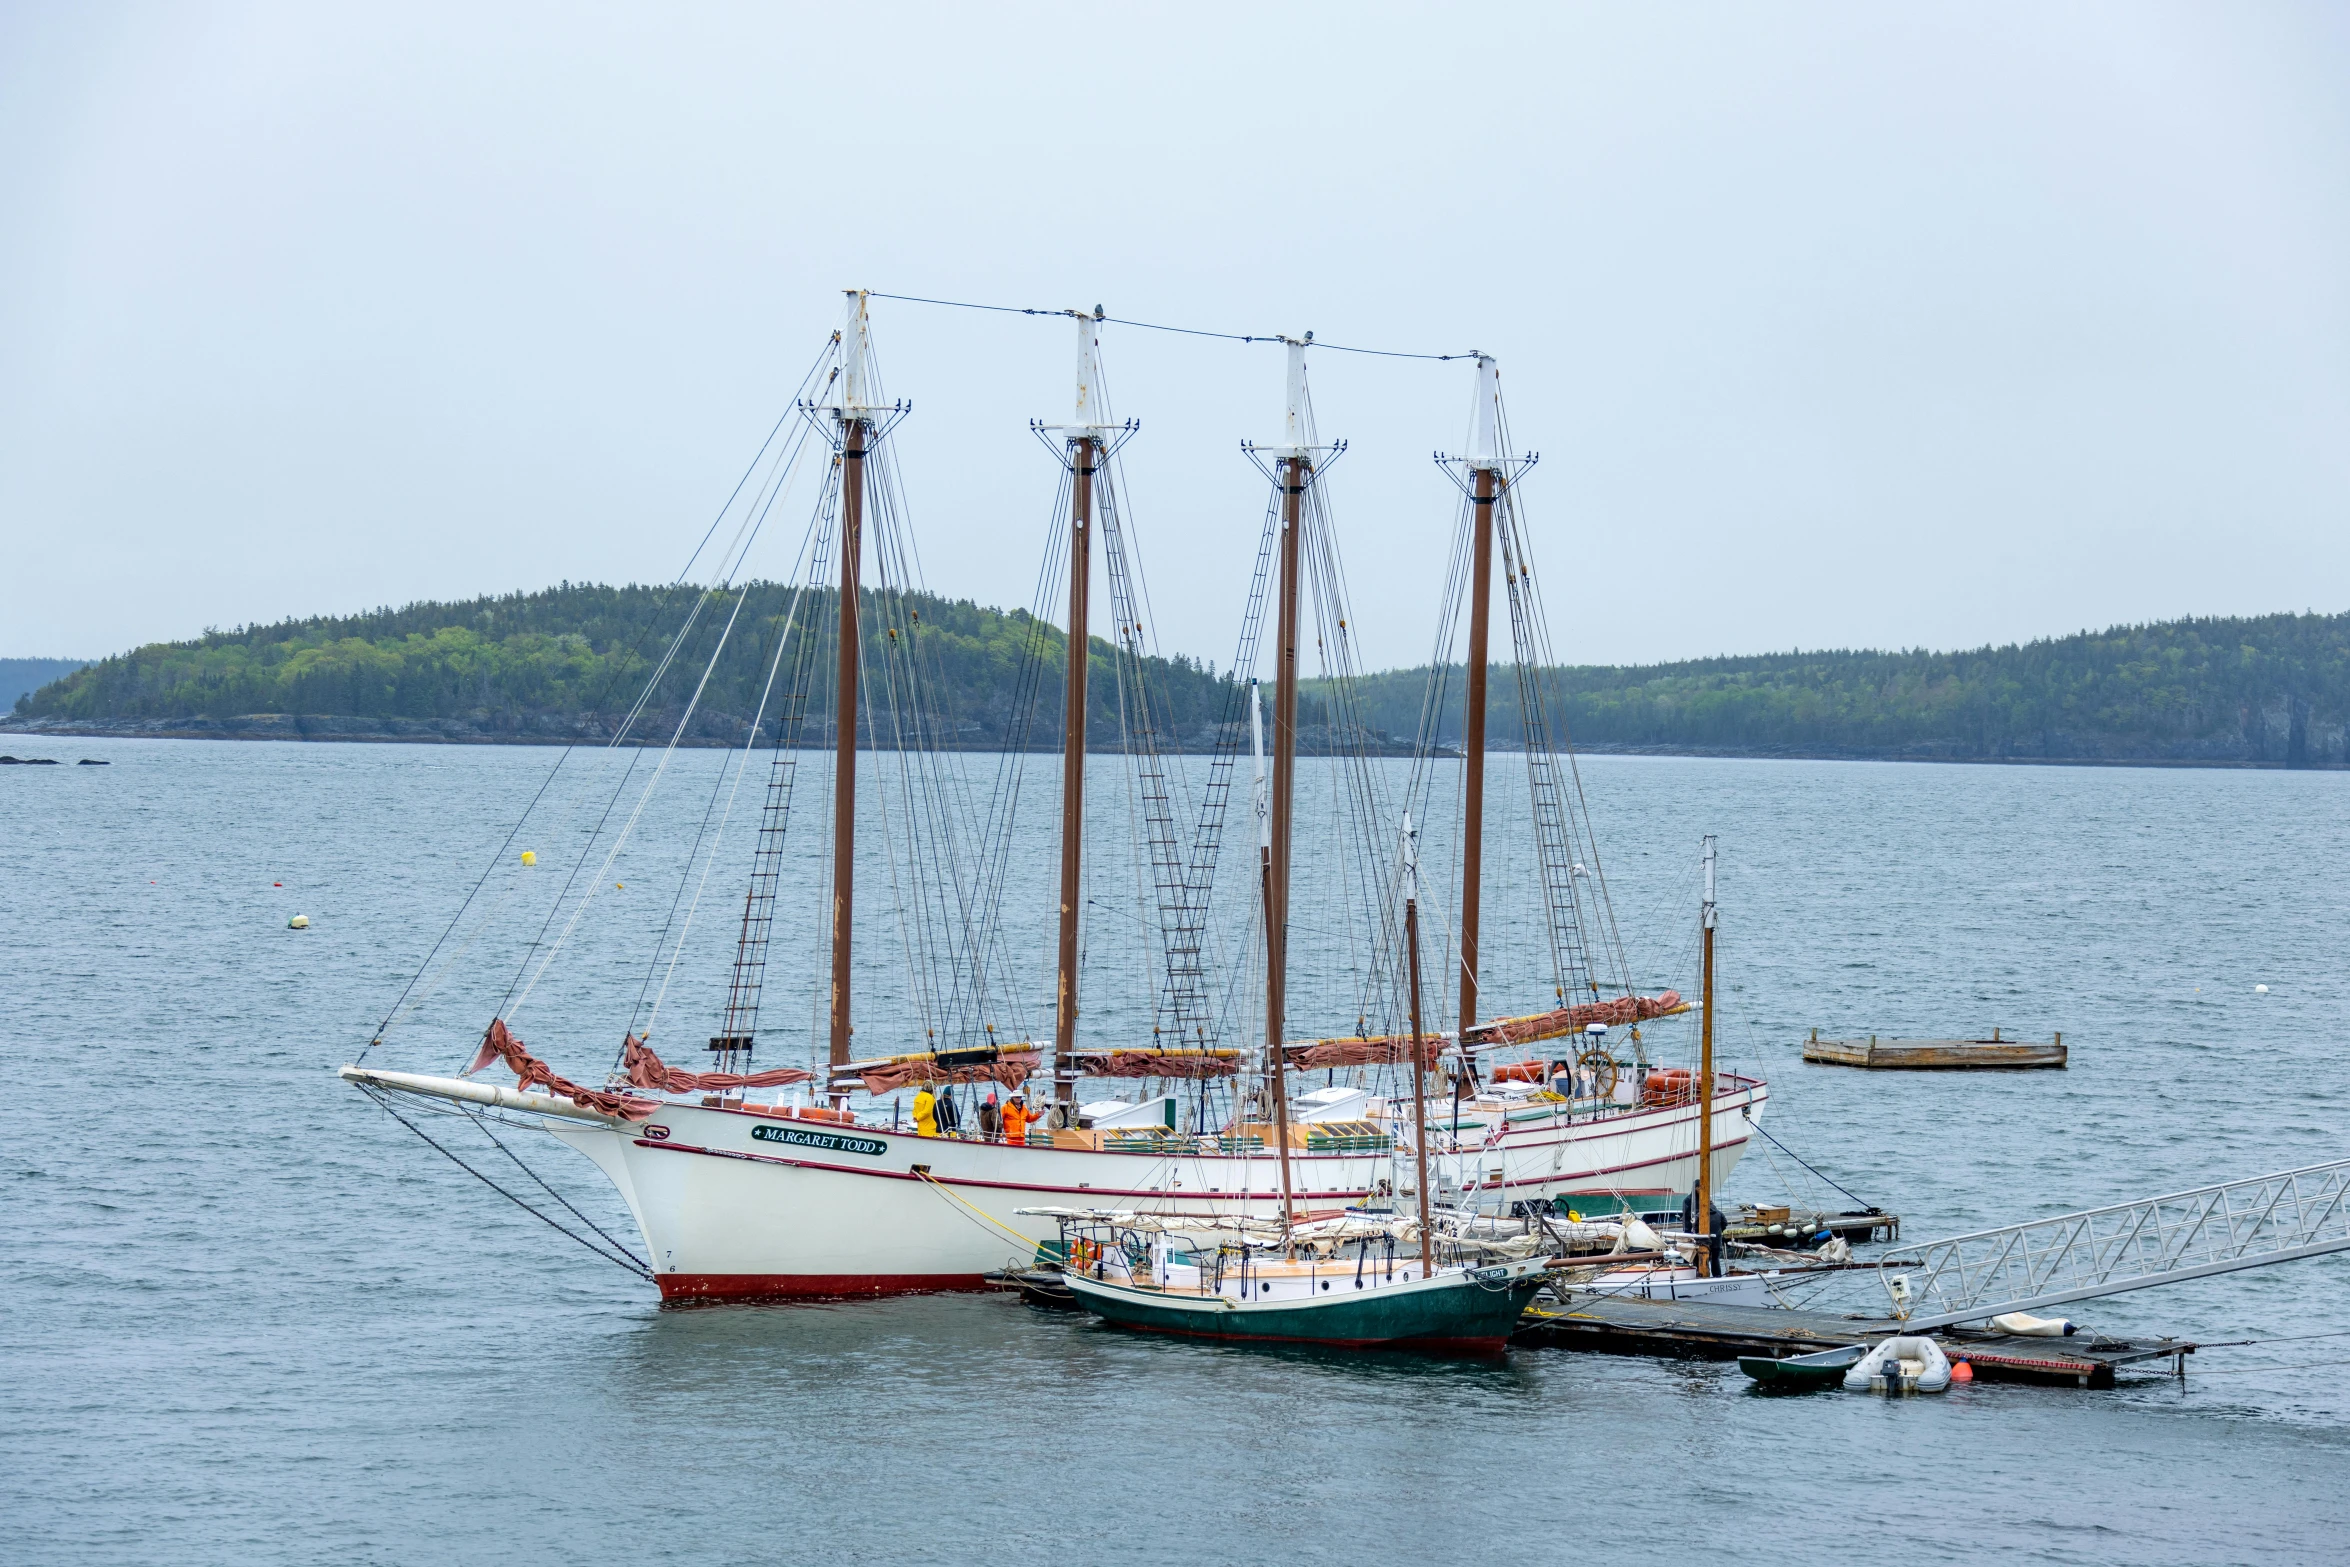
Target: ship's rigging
[[932, 975]]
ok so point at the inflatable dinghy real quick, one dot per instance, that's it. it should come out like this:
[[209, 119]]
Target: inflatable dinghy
[[1901, 1365]]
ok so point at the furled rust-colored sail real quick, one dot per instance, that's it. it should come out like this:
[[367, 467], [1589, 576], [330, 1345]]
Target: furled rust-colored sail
[[1568, 1020], [1391, 1049], [647, 1070], [499, 1044], [1158, 1063], [1008, 1065], [1381, 1050]]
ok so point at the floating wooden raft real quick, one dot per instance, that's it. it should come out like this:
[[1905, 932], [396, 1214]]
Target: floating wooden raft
[[1934, 1055]]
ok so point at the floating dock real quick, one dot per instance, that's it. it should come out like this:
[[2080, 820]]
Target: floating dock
[[1698, 1330], [1936, 1055]]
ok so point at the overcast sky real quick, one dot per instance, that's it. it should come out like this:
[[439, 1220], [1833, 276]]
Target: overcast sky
[[1834, 325]]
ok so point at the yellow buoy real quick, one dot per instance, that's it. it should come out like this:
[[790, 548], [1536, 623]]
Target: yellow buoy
[[620, 886], [530, 857], [298, 922]]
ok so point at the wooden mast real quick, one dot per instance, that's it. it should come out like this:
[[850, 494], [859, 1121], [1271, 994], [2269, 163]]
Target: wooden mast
[[1276, 1083], [1295, 472], [855, 429], [1085, 448], [1705, 1079], [1484, 466]]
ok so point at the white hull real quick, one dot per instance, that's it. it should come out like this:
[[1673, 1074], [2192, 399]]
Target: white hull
[[738, 1205]]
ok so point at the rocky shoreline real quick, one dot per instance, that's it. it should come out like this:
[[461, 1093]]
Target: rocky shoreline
[[549, 730]]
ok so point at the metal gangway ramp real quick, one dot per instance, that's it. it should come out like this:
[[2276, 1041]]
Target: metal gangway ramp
[[2130, 1246]]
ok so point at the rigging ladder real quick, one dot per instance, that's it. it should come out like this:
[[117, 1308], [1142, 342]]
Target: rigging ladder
[[1182, 931], [749, 978], [1554, 828], [1184, 1006]]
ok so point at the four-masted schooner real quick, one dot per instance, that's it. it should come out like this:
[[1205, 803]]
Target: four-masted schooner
[[804, 1181]]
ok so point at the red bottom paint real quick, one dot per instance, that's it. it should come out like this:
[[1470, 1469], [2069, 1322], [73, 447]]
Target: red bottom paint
[[692, 1287]]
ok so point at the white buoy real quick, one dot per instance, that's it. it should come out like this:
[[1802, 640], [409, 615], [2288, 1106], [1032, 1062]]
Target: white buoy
[[2260, 990], [298, 922]]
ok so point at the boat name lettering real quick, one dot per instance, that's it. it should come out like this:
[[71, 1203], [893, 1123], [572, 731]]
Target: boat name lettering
[[833, 1142]]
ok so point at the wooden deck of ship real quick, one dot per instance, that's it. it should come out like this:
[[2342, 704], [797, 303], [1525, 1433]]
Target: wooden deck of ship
[[1698, 1330]]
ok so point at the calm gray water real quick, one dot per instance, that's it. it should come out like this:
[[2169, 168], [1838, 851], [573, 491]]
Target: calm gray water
[[245, 1318]]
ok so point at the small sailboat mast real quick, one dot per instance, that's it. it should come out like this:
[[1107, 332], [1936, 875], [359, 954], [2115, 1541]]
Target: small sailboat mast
[[1411, 947], [1484, 486], [853, 415], [1084, 456], [1705, 1077], [1276, 1080]]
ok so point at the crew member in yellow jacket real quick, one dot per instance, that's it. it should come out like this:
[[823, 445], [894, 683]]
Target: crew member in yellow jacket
[[926, 1113]]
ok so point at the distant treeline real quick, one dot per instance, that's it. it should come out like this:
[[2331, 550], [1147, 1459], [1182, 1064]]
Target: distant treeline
[[20, 677], [572, 659], [2274, 689]]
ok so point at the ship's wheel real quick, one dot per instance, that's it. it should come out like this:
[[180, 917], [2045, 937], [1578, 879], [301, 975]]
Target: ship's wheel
[[1601, 1068]]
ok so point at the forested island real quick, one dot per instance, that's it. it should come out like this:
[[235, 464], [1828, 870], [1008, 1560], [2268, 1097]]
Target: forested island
[[570, 661], [2270, 690], [567, 663]]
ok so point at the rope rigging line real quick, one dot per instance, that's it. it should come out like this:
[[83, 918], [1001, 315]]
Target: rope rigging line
[[748, 536], [1866, 1205], [627, 1260], [612, 683], [736, 551], [1159, 326], [1019, 728], [1361, 824], [609, 687], [481, 1121], [771, 491], [1202, 936], [944, 878], [783, 637]]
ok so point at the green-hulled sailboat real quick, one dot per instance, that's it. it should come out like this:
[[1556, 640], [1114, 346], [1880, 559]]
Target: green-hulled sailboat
[[1298, 1285]]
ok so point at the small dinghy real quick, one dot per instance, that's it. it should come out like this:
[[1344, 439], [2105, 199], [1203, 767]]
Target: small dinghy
[[1802, 1373], [1900, 1365], [1038, 1286]]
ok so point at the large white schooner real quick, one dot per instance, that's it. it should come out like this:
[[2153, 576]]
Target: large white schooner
[[802, 1182]]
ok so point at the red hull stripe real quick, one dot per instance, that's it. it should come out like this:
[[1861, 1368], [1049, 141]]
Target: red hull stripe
[[1634, 1120], [811, 1286], [1203, 1192]]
